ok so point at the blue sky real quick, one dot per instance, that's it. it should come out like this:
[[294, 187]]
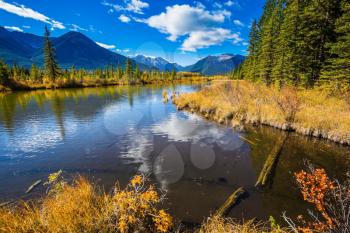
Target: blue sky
[[177, 30]]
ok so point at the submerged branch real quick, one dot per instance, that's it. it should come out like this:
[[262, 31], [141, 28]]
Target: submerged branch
[[271, 162], [231, 201]]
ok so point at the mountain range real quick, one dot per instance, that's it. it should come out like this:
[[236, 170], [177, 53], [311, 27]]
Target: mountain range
[[158, 62], [213, 65], [74, 48]]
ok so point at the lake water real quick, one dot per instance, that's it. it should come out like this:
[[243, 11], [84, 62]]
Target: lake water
[[110, 134]]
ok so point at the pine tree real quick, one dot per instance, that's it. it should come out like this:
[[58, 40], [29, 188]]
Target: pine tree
[[72, 72], [249, 68], [289, 58], [4, 74], [129, 71], [35, 73], [317, 28], [119, 72], [51, 67], [173, 75], [137, 73], [15, 72], [336, 73], [265, 58]]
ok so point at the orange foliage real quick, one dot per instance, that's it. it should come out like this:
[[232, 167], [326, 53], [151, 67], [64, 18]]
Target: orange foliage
[[314, 187]]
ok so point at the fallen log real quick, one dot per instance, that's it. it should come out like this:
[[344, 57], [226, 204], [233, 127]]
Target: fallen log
[[231, 201], [33, 186], [247, 140], [29, 190], [271, 161], [6, 203]]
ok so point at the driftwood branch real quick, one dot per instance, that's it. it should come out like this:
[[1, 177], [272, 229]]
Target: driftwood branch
[[231, 201], [271, 161], [33, 186], [29, 190]]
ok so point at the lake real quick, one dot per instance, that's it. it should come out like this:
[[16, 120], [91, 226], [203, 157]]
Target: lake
[[112, 133]]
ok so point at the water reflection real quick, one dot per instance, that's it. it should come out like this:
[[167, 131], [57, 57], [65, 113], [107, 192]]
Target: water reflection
[[112, 133]]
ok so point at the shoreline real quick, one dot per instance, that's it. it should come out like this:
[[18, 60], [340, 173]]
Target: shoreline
[[234, 119], [7, 90], [211, 116]]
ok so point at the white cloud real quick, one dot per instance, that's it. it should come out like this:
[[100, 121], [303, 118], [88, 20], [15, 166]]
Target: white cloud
[[225, 13], [199, 5], [92, 28], [124, 18], [13, 28], [75, 28], [230, 3], [135, 6], [25, 12], [26, 26], [217, 5], [122, 51], [238, 23], [180, 20], [106, 46], [139, 20], [202, 27], [204, 39]]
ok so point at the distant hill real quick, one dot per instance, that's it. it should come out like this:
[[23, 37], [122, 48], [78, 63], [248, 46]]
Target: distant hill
[[76, 49], [214, 65], [13, 49], [30, 39], [158, 62], [72, 49]]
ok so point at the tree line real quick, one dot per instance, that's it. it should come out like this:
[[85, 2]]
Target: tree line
[[51, 75], [301, 43]]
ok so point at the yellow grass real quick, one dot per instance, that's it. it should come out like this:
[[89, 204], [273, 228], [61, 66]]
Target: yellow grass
[[90, 81], [221, 225], [311, 112], [81, 207], [4, 89]]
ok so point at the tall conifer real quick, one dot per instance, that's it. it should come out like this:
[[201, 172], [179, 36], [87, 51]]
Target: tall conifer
[[51, 67]]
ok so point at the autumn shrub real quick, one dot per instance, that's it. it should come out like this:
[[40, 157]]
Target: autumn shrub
[[289, 102], [81, 207], [330, 198]]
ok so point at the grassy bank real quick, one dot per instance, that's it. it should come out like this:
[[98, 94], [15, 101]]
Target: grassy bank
[[82, 207], [16, 85], [79, 206], [312, 112]]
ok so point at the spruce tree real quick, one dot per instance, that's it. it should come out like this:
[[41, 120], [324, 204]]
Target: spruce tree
[[129, 71], [4, 74], [265, 59], [317, 29], [35, 73], [137, 73], [336, 73], [289, 57], [51, 67], [249, 67], [119, 72], [173, 75]]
